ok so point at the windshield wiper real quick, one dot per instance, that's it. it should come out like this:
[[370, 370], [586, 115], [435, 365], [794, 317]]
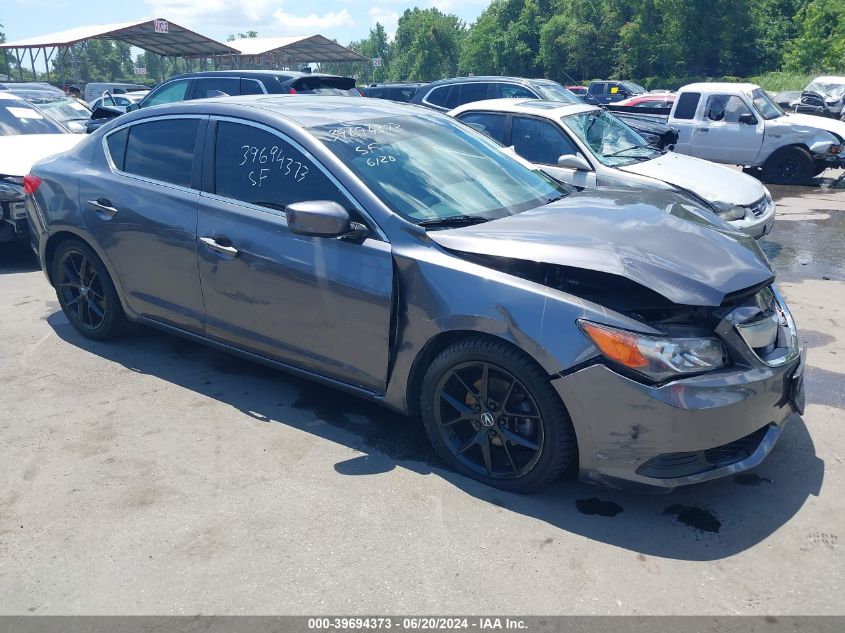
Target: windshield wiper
[[628, 149], [455, 220]]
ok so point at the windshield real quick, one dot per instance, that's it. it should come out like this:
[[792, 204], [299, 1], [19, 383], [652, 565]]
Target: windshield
[[764, 105], [612, 142], [428, 168], [63, 109], [19, 117], [633, 88], [832, 90], [553, 91]]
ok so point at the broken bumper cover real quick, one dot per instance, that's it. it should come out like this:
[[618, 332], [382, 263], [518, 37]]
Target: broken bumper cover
[[635, 435]]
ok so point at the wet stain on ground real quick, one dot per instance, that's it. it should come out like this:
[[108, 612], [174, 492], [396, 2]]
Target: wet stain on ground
[[751, 479], [595, 506], [824, 387], [696, 518], [813, 338]]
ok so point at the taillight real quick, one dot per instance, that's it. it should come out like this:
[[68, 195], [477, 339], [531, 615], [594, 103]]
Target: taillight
[[291, 91], [30, 184]]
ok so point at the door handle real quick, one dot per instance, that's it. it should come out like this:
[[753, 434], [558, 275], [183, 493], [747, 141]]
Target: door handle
[[103, 206], [214, 245], [702, 129]]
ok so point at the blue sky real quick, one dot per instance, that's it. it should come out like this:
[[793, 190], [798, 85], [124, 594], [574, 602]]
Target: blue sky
[[345, 20]]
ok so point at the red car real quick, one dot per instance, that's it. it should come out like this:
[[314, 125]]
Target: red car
[[580, 91], [656, 100]]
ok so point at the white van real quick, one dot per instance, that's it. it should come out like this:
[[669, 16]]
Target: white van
[[95, 90]]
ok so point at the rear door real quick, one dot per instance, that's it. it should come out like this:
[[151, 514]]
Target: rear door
[[320, 304], [142, 210]]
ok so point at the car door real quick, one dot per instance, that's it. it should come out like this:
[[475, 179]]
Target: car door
[[142, 210], [722, 137], [319, 304], [541, 142]]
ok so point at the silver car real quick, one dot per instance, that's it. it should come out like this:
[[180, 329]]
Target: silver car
[[393, 252], [587, 146]]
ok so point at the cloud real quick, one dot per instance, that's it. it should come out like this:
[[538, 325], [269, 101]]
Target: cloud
[[292, 23], [386, 17]]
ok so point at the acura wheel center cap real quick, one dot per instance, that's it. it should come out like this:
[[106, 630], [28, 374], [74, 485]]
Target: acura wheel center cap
[[487, 419]]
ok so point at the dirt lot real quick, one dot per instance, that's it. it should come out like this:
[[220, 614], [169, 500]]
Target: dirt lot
[[154, 476]]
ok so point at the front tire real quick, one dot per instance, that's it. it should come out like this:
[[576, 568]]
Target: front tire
[[86, 292], [789, 166], [492, 414]]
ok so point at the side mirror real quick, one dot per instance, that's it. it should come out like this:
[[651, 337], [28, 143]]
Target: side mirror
[[572, 161], [747, 119], [322, 218]]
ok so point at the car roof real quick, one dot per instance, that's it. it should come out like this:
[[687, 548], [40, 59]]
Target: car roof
[[829, 79], [288, 74], [486, 78], [721, 85], [304, 110], [547, 109]]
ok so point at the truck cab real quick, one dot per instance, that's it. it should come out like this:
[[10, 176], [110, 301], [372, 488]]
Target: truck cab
[[601, 92]]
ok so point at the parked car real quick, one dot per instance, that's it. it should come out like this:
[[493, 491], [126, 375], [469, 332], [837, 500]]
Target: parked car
[[824, 96], [30, 85], [586, 146], [447, 94], [605, 91], [26, 135], [397, 254], [740, 124], [95, 89], [395, 92], [70, 112], [119, 101], [786, 99], [578, 91], [649, 100]]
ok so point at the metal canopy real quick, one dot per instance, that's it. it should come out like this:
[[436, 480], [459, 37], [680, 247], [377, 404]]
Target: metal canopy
[[300, 49], [157, 36]]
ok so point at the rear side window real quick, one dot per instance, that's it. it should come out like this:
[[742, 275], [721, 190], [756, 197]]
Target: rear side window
[[402, 94], [473, 92], [256, 166], [687, 105], [174, 91], [251, 87], [540, 141], [438, 96], [206, 87], [117, 147], [493, 125], [162, 150], [596, 88]]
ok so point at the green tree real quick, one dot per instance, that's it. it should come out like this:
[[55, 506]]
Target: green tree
[[242, 36], [820, 44], [427, 45]]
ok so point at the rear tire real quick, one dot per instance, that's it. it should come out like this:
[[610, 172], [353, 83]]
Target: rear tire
[[492, 414], [789, 166], [86, 292]]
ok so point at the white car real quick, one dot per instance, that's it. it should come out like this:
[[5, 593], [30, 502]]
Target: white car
[[586, 146], [26, 136]]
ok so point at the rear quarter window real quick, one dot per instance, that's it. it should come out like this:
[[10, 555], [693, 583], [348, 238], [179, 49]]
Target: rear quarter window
[[117, 147], [686, 106], [438, 96], [162, 150]]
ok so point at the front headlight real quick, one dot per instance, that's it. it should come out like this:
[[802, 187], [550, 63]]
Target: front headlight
[[656, 357], [734, 213]]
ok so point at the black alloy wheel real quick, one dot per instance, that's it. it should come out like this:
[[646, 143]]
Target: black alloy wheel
[[789, 166], [86, 292], [492, 414]]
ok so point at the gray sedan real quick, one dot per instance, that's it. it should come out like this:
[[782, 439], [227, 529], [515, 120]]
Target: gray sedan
[[392, 252]]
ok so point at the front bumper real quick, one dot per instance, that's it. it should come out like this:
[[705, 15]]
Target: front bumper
[[757, 226], [635, 435]]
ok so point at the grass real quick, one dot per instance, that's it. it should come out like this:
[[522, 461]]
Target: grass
[[780, 81]]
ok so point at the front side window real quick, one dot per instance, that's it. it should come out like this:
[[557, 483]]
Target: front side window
[[493, 125], [169, 93], [727, 108], [611, 141], [162, 150], [431, 167], [540, 141], [206, 87], [512, 91], [258, 167]]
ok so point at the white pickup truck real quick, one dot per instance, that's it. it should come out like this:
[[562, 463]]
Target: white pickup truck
[[739, 124]]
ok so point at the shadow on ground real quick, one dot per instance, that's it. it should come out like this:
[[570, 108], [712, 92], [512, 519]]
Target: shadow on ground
[[706, 522], [17, 257]]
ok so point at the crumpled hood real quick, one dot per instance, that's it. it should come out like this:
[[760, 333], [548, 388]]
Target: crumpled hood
[[19, 152], [647, 237], [809, 123], [717, 184]]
